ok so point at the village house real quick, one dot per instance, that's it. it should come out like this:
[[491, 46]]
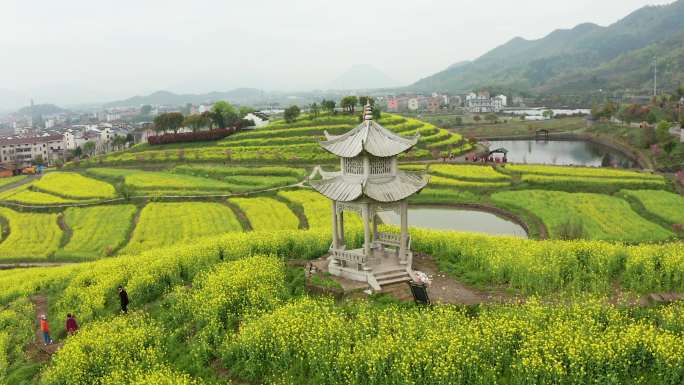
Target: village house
[[25, 151]]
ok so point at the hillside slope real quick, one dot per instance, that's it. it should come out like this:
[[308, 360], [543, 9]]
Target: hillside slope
[[582, 59]]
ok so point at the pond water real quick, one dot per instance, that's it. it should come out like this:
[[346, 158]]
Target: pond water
[[570, 152], [456, 219]]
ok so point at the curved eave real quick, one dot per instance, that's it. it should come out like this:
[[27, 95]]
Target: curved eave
[[371, 138], [402, 186], [338, 189]]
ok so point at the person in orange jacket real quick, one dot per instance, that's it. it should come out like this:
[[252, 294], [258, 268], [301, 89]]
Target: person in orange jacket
[[45, 328]]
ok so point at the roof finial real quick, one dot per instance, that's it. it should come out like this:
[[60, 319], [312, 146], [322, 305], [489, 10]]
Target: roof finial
[[368, 111]]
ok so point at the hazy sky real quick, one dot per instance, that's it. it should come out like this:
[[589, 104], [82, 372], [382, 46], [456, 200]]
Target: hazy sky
[[69, 51]]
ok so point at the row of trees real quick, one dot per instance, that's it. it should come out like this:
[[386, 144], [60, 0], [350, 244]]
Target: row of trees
[[222, 115], [348, 104]]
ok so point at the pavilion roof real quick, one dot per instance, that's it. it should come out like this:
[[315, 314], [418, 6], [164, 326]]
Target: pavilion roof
[[370, 137], [342, 188]]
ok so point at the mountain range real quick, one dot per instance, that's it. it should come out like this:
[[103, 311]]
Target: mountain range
[[583, 59], [238, 95]]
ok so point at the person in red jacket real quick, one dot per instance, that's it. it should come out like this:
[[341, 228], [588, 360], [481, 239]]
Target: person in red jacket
[[45, 328], [71, 325]]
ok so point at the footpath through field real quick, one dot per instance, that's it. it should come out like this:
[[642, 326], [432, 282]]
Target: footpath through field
[[22, 182], [37, 350]]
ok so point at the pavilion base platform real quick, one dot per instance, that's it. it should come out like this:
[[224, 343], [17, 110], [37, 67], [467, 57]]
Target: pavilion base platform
[[380, 267]]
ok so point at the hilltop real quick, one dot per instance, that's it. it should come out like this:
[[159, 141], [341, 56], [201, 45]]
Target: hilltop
[[583, 59]]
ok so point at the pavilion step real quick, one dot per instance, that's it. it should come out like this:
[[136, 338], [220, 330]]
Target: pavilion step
[[390, 273], [390, 277], [390, 281]]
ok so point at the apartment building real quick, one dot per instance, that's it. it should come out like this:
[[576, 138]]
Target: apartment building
[[24, 151]]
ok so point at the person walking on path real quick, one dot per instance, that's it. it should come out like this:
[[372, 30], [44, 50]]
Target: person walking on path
[[71, 325], [123, 296], [45, 328]]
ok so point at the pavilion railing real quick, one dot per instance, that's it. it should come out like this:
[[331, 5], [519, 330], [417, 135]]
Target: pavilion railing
[[347, 258]]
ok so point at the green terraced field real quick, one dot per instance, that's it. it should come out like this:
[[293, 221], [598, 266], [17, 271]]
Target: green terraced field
[[73, 185], [31, 235], [164, 224], [97, 231], [267, 214], [666, 205], [602, 217]]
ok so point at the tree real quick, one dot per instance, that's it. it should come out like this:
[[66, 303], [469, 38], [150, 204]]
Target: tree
[[492, 118], [244, 110], [208, 117], [89, 148], [168, 121], [291, 114], [348, 103], [328, 105], [649, 137], [77, 152], [663, 131], [130, 138], [146, 109], [314, 110], [39, 160], [477, 118], [548, 114], [196, 122], [224, 114], [363, 100], [377, 114]]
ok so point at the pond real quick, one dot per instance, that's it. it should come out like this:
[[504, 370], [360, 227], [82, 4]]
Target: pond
[[562, 153], [444, 218]]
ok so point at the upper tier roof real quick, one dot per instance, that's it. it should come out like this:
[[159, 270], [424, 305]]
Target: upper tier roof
[[370, 137], [393, 188]]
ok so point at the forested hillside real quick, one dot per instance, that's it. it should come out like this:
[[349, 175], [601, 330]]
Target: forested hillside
[[583, 59]]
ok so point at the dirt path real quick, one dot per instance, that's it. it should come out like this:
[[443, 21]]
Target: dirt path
[[23, 265], [445, 289], [37, 350], [24, 181]]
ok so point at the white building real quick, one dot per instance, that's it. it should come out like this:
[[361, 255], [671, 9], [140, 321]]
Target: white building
[[413, 104], [482, 103], [23, 151], [259, 118]]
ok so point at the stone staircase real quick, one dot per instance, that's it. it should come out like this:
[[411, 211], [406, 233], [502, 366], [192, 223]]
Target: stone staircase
[[392, 276]]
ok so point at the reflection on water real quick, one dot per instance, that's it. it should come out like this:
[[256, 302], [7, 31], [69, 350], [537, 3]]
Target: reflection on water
[[577, 153], [455, 219]]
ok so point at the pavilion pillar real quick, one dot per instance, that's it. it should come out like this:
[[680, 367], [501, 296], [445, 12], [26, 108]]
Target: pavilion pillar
[[366, 231], [341, 240], [375, 226], [335, 243], [403, 209]]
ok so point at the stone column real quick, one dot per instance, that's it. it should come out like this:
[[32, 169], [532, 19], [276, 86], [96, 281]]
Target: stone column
[[335, 241], [403, 208], [366, 231], [341, 225], [375, 226]]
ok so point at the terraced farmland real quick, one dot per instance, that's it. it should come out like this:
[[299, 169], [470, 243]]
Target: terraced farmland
[[601, 216], [97, 231], [31, 235], [73, 185], [267, 214], [164, 224]]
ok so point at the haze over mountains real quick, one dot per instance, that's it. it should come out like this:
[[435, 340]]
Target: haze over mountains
[[584, 59], [362, 76]]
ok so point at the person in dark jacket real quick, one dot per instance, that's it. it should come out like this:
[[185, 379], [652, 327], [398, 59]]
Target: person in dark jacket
[[123, 296], [71, 325]]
